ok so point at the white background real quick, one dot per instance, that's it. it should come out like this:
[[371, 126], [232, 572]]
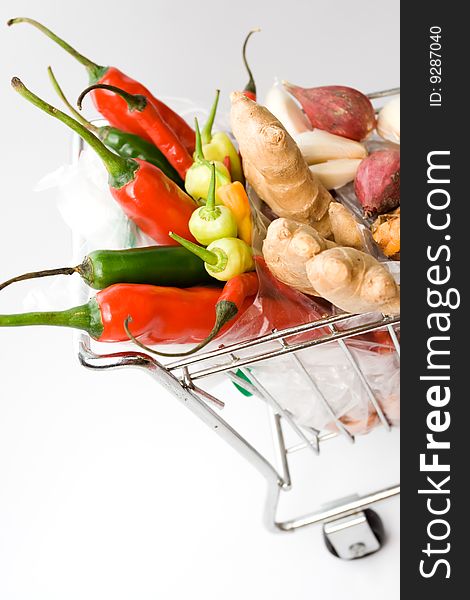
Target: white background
[[109, 488]]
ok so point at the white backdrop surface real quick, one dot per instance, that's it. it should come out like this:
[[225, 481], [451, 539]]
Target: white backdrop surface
[[108, 487]]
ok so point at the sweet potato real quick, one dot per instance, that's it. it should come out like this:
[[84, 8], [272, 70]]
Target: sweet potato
[[377, 183], [335, 108], [273, 164]]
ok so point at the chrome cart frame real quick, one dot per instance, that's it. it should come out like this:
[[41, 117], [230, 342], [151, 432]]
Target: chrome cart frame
[[181, 379]]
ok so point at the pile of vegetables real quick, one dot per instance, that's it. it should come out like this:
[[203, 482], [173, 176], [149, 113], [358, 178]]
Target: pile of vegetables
[[186, 189], [319, 246]]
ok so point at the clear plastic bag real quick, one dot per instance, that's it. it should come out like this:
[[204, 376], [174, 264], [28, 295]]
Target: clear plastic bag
[[336, 384], [97, 221]]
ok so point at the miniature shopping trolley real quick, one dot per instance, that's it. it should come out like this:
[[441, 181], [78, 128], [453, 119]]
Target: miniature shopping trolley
[[351, 528]]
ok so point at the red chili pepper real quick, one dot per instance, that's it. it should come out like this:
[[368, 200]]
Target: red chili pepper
[[158, 315], [155, 203], [149, 119], [112, 107], [148, 197], [231, 303], [250, 88], [227, 163]]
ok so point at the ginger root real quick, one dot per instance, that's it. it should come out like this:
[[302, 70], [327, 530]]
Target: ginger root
[[344, 227], [354, 281], [274, 165], [288, 246]]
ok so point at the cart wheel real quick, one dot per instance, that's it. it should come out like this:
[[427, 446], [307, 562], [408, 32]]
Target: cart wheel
[[355, 536]]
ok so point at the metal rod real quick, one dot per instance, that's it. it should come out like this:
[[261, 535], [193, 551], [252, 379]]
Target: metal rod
[[209, 397], [384, 93], [280, 451], [323, 400], [365, 384], [393, 335], [343, 510], [292, 348], [263, 392], [188, 383], [246, 385], [269, 337], [323, 437]]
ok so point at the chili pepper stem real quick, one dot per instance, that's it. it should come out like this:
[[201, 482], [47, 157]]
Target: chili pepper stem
[[121, 170], [134, 101], [206, 255], [86, 317], [37, 274], [224, 312], [95, 71], [210, 202], [198, 151], [80, 118], [250, 86], [206, 133]]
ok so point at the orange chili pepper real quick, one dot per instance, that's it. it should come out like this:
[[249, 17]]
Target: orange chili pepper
[[234, 197]]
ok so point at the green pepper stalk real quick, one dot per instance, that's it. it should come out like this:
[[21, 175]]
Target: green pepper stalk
[[210, 222], [127, 145], [198, 176], [250, 87], [95, 72], [224, 258], [218, 146], [120, 170]]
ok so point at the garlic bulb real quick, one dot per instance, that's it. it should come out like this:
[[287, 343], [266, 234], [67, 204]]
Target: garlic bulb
[[318, 146], [388, 122], [335, 173], [284, 108]]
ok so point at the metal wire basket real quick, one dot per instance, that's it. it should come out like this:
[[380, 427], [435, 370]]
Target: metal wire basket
[[351, 529]]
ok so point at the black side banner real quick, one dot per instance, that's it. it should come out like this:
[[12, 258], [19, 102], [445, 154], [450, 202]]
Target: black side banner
[[435, 330]]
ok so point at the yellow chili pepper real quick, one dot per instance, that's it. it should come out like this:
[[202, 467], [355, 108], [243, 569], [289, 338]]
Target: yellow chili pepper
[[234, 197]]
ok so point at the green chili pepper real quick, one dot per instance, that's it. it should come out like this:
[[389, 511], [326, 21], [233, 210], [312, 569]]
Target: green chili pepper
[[218, 146], [210, 222], [199, 174], [127, 145], [224, 258], [154, 265]]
